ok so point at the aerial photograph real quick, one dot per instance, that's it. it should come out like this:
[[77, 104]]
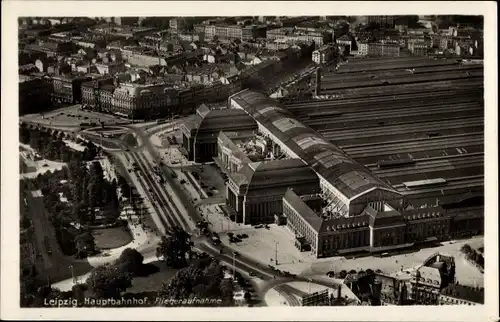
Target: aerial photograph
[[251, 161]]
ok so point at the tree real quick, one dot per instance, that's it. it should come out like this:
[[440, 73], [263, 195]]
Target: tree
[[466, 249], [130, 261], [174, 248], [108, 281], [85, 244], [202, 279]]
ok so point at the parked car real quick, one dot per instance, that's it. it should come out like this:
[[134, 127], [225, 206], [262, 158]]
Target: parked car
[[244, 235]]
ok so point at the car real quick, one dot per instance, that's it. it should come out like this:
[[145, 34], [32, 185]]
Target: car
[[45, 165], [230, 234], [244, 235], [236, 254], [330, 274], [127, 150], [239, 236], [183, 181], [251, 274], [210, 194]]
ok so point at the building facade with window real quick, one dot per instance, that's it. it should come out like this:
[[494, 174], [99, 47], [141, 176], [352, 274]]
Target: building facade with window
[[359, 212], [383, 49], [255, 193]]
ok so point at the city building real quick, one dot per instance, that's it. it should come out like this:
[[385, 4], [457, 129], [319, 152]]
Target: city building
[[252, 32], [34, 94], [417, 48], [110, 68], [345, 41], [292, 36], [382, 21], [52, 48], [97, 94], [200, 135], [323, 55], [455, 294], [68, 88], [136, 100], [426, 285], [360, 212], [362, 49], [389, 290], [176, 24], [383, 49], [255, 193]]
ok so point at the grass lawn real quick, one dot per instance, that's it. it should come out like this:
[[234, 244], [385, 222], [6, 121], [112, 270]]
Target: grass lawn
[[153, 281], [112, 237]]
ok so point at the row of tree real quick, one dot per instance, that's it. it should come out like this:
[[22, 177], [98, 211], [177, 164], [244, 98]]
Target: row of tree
[[473, 255], [49, 143]]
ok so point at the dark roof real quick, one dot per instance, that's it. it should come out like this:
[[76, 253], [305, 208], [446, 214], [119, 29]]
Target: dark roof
[[275, 177], [328, 160], [223, 120], [303, 210], [463, 292]]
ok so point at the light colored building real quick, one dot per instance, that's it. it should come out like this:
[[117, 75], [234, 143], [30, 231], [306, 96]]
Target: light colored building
[[110, 68], [323, 55], [426, 285], [417, 48], [139, 100], [380, 49], [362, 48], [176, 24], [292, 36]]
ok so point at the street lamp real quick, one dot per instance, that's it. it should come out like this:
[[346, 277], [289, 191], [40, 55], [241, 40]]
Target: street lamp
[[73, 274]]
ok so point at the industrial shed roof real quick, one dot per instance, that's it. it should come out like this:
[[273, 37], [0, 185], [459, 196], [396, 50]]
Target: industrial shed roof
[[328, 160], [223, 120], [275, 176]]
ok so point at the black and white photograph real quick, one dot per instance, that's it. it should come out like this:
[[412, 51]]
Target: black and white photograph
[[251, 161]]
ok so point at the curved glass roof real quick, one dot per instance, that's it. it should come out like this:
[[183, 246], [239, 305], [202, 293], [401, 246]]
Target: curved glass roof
[[328, 160]]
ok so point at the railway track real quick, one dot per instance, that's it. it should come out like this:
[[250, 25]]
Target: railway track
[[413, 145], [433, 126], [431, 166], [171, 212], [356, 104], [397, 116], [466, 182]]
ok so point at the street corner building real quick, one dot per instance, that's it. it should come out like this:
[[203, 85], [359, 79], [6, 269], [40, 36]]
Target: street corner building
[[356, 210]]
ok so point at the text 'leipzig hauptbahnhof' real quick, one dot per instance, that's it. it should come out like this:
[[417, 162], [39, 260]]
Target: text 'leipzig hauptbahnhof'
[[281, 170]]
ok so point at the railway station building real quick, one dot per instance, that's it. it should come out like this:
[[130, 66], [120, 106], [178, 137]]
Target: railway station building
[[255, 193], [200, 135], [360, 212]]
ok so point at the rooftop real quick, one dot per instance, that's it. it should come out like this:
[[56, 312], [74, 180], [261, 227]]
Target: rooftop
[[279, 173], [463, 292], [329, 161]]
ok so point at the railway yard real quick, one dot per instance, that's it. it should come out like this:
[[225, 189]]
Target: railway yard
[[417, 123]]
